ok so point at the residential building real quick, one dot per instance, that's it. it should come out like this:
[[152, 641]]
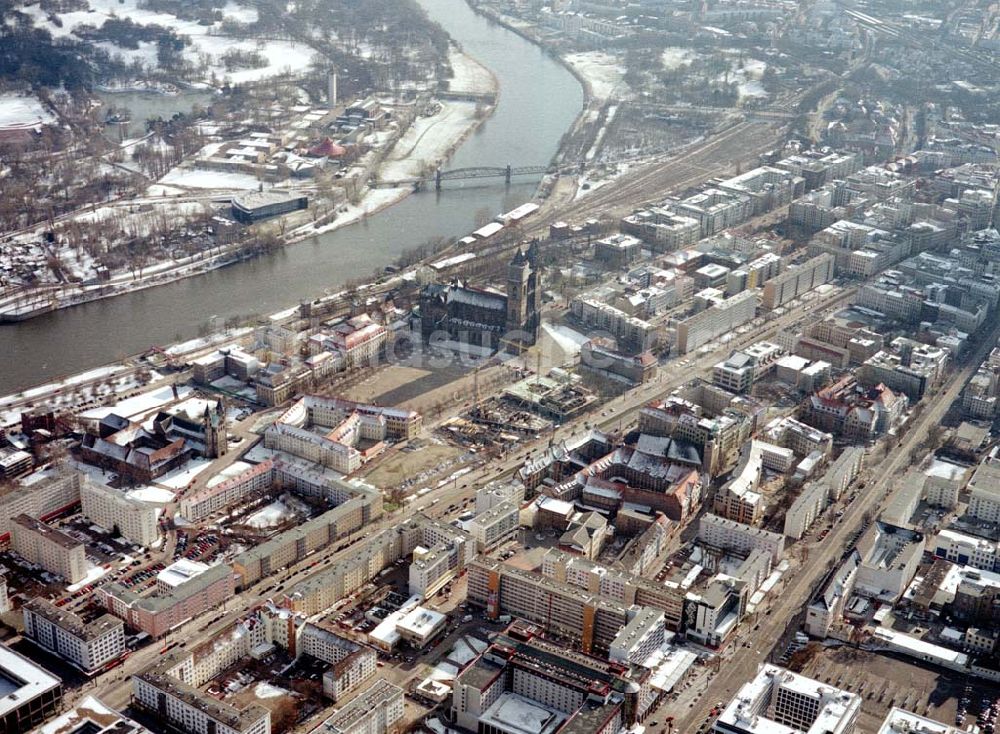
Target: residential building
[[984, 491], [722, 317], [110, 508], [157, 615], [828, 606], [376, 710], [728, 536], [890, 556], [795, 281], [169, 689], [967, 550], [618, 250], [50, 548], [87, 645], [739, 372], [42, 495], [495, 525]]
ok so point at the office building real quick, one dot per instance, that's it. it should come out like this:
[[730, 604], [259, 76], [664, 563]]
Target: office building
[[31, 693], [50, 548], [777, 700], [92, 716]]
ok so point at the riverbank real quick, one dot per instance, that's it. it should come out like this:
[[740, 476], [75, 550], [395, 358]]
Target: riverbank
[[539, 103], [428, 143]]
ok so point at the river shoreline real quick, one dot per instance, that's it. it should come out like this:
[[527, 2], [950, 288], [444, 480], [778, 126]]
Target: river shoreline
[[371, 203], [539, 104]]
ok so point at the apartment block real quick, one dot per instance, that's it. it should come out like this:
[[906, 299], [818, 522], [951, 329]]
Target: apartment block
[[376, 710], [494, 526], [50, 548], [38, 495], [169, 690], [591, 621], [795, 281], [87, 645], [113, 511], [156, 615], [723, 317], [737, 538]]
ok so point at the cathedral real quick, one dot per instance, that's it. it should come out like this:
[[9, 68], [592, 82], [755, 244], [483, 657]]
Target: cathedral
[[486, 318]]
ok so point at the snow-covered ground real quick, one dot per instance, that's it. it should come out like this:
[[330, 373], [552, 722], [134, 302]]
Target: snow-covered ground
[[270, 515], [182, 476], [269, 690], [22, 111], [604, 72], [428, 140], [674, 57], [469, 74], [93, 574], [748, 78]]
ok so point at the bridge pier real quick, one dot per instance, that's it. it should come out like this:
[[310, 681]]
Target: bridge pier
[[506, 176], [437, 180]]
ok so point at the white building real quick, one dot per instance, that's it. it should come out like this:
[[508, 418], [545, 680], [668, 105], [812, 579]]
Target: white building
[[375, 711], [966, 550], [88, 646], [943, 481], [50, 548], [900, 721], [984, 488], [492, 527], [778, 701], [735, 537], [112, 510], [640, 638], [890, 556]]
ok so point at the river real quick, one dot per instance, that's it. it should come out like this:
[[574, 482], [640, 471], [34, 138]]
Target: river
[[539, 100]]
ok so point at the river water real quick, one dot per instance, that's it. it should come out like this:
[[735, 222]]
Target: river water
[[538, 101]]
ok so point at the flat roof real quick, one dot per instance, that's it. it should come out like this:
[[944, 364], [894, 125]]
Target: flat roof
[[518, 715], [181, 572], [21, 680], [421, 621]]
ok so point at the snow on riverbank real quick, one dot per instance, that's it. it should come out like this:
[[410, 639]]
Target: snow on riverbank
[[428, 141], [469, 75], [603, 72]]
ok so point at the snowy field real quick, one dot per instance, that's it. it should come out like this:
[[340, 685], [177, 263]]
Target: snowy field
[[568, 340], [139, 405], [197, 178], [674, 57], [206, 46], [604, 72], [22, 111]]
